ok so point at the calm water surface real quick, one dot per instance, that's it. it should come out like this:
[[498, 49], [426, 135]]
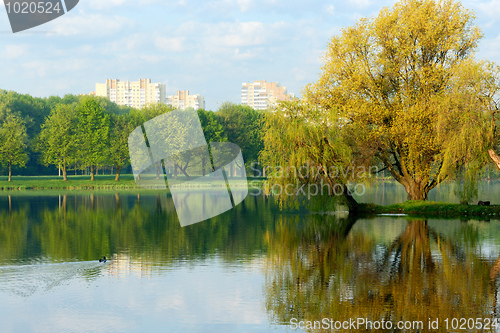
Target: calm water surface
[[253, 269]]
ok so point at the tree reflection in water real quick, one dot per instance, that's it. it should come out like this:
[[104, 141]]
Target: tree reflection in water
[[325, 268]]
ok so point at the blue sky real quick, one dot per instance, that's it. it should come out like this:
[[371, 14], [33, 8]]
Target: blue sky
[[207, 47]]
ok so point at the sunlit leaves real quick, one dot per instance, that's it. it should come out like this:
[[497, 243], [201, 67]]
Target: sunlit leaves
[[399, 80]]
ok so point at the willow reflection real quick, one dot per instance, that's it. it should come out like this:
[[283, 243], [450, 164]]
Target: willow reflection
[[321, 269]]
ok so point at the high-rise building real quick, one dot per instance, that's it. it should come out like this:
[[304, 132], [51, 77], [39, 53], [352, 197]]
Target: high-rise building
[[183, 100], [132, 93], [261, 94]]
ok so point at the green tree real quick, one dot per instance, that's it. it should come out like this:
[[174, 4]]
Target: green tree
[[304, 149], [151, 111], [57, 141], [243, 126], [93, 133], [213, 130], [32, 110], [68, 99], [409, 93], [13, 139], [121, 126]]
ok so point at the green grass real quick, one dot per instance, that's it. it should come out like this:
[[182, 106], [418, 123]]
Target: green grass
[[106, 182], [73, 183], [433, 209]]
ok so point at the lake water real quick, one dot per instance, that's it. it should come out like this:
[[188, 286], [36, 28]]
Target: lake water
[[252, 269]]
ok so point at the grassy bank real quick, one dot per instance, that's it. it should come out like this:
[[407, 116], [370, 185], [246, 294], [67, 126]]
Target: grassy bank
[[106, 182], [73, 183], [433, 209]]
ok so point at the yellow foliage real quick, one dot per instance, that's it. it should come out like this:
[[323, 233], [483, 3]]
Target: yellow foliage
[[410, 91]]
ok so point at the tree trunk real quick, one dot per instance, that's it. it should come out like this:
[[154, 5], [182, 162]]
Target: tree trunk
[[494, 157], [92, 172], [352, 204], [65, 173], [415, 191], [10, 171], [184, 170], [118, 170]]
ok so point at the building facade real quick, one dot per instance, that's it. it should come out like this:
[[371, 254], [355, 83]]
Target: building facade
[[261, 94], [135, 94], [183, 100]]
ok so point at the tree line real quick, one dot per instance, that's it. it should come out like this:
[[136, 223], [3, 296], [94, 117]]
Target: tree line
[[39, 136]]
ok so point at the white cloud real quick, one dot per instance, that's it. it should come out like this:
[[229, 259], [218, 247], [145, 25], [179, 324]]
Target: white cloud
[[245, 55], [54, 68], [240, 34], [14, 51], [151, 59], [91, 25], [330, 9], [491, 8], [488, 49], [103, 4], [360, 4], [170, 44], [245, 5]]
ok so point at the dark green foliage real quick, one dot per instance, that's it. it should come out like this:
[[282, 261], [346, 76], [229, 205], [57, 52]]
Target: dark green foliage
[[93, 133], [121, 127], [243, 126], [212, 128], [13, 143], [58, 142], [84, 131]]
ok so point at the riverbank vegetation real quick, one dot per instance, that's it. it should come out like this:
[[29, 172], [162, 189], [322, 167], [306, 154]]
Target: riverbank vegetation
[[100, 182], [431, 209], [85, 135]]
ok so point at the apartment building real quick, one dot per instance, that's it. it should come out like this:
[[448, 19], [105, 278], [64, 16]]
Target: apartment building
[[135, 94], [261, 94], [183, 100]]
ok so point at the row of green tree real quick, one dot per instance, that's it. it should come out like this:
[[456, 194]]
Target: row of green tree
[[40, 135]]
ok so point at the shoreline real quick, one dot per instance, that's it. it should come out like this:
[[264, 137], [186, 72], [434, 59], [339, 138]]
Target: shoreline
[[432, 209], [83, 183], [31, 185]]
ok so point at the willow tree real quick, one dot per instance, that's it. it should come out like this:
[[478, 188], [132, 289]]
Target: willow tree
[[410, 92], [305, 155]]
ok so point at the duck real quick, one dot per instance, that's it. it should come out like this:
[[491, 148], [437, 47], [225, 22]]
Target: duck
[[103, 259]]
